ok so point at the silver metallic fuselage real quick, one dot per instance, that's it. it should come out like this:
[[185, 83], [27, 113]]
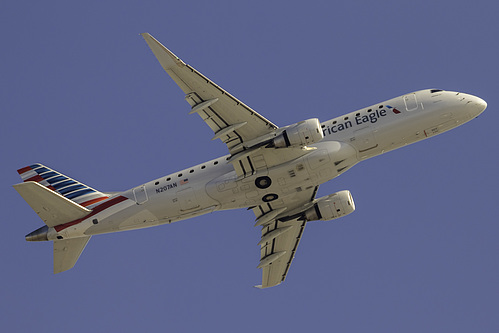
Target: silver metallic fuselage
[[348, 140]]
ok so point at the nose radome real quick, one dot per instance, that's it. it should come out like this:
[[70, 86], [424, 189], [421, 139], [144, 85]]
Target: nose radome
[[482, 104], [479, 104], [473, 104]]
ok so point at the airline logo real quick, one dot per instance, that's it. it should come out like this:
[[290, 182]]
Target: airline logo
[[393, 109], [65, 186]]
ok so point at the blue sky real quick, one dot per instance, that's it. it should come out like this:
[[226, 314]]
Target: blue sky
[[82, 93]]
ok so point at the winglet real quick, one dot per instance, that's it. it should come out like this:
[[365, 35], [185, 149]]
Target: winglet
[[166, 58]]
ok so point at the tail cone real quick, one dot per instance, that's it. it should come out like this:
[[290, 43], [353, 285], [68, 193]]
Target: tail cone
[[38, 235]]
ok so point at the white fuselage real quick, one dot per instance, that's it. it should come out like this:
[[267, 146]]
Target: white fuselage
[[214, 185]]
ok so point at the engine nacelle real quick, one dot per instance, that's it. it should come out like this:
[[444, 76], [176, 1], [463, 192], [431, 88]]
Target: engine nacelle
[[331, 207], [303, 133]]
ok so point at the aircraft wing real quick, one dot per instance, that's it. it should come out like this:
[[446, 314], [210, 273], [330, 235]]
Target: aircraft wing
[[279, 251], [231, 120], [241, 128], [281, 234]]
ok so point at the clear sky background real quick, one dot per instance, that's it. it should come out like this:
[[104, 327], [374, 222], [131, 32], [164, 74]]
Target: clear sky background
[[82, 93]]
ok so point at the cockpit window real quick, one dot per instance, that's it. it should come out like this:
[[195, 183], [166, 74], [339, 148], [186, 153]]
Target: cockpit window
[[435, 90]]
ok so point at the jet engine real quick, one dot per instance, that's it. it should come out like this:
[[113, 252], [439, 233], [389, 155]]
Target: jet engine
[[303, 133], [331, 207]]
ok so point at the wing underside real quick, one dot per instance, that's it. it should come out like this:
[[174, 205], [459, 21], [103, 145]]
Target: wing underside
[[242, 129], [282, 228], [231, 120], [279, 251]]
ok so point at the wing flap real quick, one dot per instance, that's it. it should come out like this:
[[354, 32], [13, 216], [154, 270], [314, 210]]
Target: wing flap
[[67, 252], [53, 208]]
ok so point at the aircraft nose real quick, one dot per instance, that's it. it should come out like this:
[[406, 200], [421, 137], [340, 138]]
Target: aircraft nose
[[472, 104], [478, 104], [481, 104]]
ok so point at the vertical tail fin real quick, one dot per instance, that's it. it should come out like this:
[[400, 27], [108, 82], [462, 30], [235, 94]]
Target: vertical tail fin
[[69, 188]]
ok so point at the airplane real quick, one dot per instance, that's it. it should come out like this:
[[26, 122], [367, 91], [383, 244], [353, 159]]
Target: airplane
[[274, 171]]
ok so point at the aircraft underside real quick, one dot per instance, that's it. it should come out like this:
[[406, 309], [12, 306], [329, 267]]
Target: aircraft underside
[[273, 171]]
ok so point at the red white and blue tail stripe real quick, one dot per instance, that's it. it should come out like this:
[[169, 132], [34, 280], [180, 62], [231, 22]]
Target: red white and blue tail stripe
[[65, 186]]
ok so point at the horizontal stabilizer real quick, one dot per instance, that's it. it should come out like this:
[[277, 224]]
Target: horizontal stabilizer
[[53, 208], [67, 252]]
